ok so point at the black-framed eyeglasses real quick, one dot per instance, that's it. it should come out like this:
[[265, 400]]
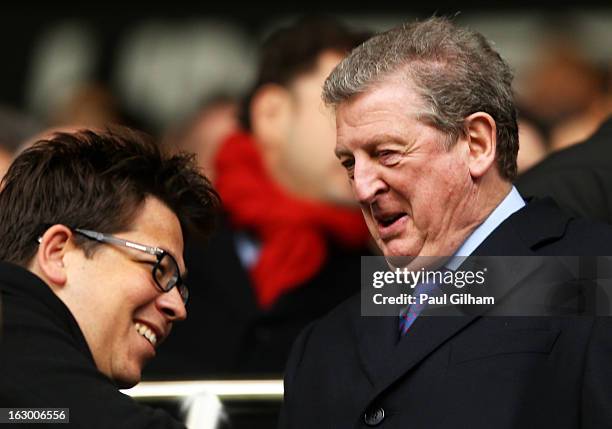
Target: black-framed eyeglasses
[[166, 272]]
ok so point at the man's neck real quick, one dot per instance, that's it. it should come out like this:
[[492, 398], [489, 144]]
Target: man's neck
[[509, 204]]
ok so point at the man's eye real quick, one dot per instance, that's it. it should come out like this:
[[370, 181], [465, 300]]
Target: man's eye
[[161, 269], [348, 164], [388, 157]]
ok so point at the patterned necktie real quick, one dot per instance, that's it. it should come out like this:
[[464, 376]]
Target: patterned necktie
[[409, 314]]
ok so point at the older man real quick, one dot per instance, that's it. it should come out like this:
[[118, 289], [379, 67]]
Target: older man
[[91, 232], [426, 129]]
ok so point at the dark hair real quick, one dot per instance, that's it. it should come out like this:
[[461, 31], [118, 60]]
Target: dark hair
[[455, 70], [294, 50], [96, 180]]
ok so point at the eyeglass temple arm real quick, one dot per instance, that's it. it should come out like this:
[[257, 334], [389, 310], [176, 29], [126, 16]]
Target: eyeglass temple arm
[[103, 238]]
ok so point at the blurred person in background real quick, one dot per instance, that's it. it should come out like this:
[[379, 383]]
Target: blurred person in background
[[579, 177], [289, 250], [204, 131], [533, 148], [572, 96], [565, 90], [91, 229], [91, 105], [15, 129]]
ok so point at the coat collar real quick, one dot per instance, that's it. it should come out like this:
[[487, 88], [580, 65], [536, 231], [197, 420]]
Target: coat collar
[[46, 307], [540, 222]]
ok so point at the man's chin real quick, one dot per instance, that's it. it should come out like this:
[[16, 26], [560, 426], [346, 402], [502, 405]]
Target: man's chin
[[127, 380], [398, 261], [415, 263], [396, 251], [126, 384]]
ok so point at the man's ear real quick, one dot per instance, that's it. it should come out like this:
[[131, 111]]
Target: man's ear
[[481, 136], [271, 108], [49, 260]]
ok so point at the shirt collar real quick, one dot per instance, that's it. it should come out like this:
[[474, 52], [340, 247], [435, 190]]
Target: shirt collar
[[512, 203]]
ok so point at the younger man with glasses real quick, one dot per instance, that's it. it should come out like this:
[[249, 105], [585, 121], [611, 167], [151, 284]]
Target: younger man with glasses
[[91, 243]]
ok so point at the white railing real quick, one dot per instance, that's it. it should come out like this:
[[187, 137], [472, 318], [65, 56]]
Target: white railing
[[201, 400], [223, 389]]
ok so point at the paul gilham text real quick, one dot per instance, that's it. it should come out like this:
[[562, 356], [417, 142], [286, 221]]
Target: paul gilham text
[[453, 299]]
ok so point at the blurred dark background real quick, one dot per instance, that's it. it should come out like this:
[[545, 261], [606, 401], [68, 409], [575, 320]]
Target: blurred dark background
[[154, 64]]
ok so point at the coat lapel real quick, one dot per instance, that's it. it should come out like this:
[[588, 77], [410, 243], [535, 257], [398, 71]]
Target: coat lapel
[[385, 359]]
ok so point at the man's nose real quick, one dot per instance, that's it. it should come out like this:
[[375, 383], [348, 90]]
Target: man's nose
[[367, 183], [171, 304]]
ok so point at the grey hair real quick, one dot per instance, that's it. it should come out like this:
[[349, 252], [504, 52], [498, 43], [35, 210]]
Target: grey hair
[[454, 70]]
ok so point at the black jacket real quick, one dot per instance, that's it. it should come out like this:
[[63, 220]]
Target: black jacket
[[349, 371], [45, 361], [579, 178]]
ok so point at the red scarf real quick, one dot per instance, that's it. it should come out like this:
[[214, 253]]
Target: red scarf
[[292, 231]]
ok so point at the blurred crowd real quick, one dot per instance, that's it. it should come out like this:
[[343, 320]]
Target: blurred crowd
[[185, 82], [287, 248]]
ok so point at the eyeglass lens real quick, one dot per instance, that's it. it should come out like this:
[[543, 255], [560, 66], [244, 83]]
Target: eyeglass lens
[[167, 275]]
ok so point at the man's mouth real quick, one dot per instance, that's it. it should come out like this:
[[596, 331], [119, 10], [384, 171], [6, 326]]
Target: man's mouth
[[390, 224], [146, 332], [389, 220]]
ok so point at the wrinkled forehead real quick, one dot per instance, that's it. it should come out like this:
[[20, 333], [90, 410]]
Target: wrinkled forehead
[[384, 111]]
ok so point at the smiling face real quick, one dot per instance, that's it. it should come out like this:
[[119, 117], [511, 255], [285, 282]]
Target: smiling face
[[115, 301], [414, 193]]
